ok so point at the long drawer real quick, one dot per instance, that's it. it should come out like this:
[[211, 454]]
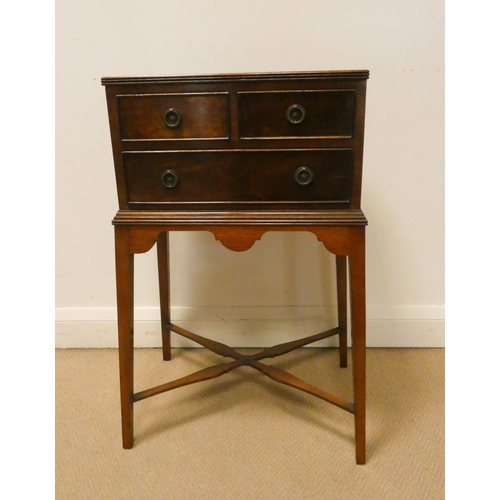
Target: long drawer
[[159, 179]]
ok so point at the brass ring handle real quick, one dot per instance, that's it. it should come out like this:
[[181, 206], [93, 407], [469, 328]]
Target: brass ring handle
[[295, 114], [169, 178], [304, 176], [172, 118]]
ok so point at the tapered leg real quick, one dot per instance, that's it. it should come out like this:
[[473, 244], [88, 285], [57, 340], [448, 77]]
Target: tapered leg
[[358, 334], [164, 279], [125, 304], [342, 306]]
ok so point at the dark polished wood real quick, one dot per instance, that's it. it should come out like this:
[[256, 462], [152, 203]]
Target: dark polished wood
[[358, 326], [125, 305], [239, 155], [254, 118], [341, 261], [164, 287], [327, 114], [202, 116], [252, 177]]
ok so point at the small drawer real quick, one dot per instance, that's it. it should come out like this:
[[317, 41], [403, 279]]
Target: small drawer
[[159, 179], [174, 116], [303, 114]]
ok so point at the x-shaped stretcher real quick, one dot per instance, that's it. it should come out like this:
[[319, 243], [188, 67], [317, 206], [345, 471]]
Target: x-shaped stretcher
[[253, 360]]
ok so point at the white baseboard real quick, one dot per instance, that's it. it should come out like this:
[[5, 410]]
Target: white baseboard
[[420, 326]]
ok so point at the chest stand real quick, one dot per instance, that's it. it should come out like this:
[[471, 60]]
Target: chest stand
[[342, 236]]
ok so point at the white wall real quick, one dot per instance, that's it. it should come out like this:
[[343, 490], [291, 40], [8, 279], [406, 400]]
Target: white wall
[[400, 42]]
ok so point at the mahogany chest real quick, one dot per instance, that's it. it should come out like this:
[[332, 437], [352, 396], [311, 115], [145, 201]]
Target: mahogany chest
[[238, 142], [239, 155]]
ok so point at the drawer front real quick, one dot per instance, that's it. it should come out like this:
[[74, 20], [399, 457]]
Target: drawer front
[[159, 178], [174, 116], [285, 114]]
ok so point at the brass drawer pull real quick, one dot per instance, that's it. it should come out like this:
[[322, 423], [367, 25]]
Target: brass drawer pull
[[304, 176], [295, 114], [169, 178], [172, 118]]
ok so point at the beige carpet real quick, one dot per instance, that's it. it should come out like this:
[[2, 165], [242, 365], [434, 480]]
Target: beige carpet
[[243, 436]]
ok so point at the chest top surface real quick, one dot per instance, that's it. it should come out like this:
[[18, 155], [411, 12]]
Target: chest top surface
[[238, 142]]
